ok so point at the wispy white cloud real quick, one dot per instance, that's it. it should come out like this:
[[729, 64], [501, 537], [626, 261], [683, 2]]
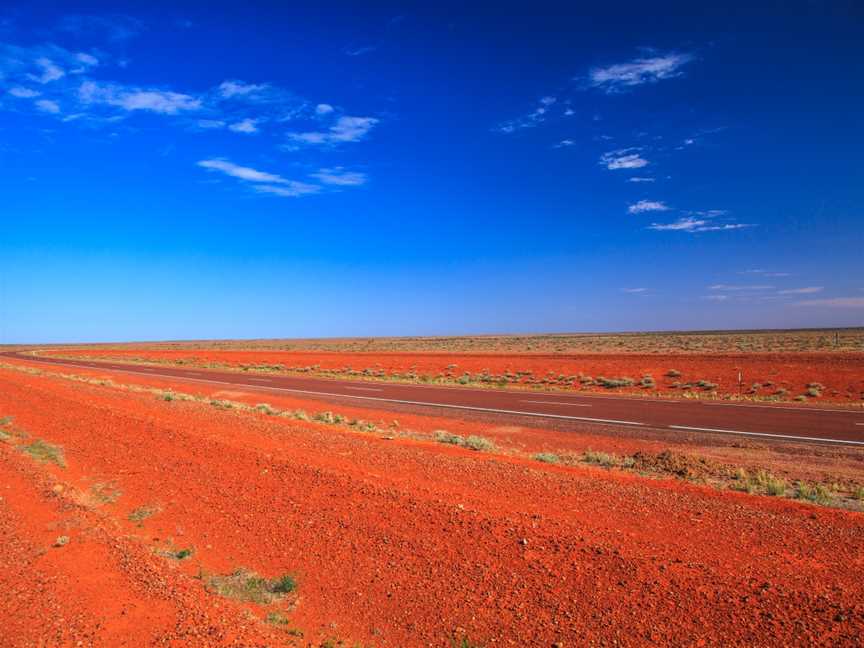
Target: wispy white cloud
[[739, 287], [291, 189], [131, 98], [48, 106], [650, 69], [263, 182], [628, 158], [693, 225], [50, 71], [211, 123], [23, 93], [345, 129], [340, 177], [230, 89], [323, 109], [765, 273], [565, 143], [634, 291], [244, 126], [640, 179], [240, 172], [535, 117], [835, 302], [808, 290], [715, 297], [647, 206]]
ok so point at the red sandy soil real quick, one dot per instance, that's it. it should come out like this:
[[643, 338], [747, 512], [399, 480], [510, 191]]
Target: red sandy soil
[[393, 542], [841, 374]]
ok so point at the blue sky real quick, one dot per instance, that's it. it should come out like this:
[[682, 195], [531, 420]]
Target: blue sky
[[199, 170]]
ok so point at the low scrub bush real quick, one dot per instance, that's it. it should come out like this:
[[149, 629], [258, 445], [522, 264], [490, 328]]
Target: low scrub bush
[[813, 493], [605, 459], [45, 452], [614, 383], [442, 436], [247, 586], [547, 457], [473, 442], [479, 443]]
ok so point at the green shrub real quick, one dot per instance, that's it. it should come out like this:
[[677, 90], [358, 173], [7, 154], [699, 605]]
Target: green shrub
[[479, 443], [45, 452], [443, 436], [604, 459], [813, 492], [285, 584], [547, 457]]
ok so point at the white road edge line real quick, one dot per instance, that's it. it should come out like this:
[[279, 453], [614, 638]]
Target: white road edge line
[[595, 396], [387, 400], [765, 434], [364, 388], [545, 402], [803, 408], [498, 411]]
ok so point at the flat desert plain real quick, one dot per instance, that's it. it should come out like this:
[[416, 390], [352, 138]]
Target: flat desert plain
[[140, 509]]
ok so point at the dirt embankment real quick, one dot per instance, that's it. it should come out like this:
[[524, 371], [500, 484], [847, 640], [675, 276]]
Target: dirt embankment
[[391, 542]]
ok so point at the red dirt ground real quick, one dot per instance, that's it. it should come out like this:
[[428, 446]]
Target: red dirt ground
[[393, 542], [841, 374]]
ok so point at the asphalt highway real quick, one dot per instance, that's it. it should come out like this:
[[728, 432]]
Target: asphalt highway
[[777, 422]]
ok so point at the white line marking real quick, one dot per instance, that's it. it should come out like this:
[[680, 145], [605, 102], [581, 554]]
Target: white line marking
[[803, 408], [261, 379], [859, 424], [765, 434], [554, 394], [544, 402], [389, 400], [501, 411], [364, 388]]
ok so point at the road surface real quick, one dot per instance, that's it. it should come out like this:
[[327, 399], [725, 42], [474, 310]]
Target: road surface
[[778, 422]]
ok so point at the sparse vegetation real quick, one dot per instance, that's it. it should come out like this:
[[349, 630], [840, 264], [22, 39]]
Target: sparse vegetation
[[142, 513], [604, 459], [614, 383], [442, 436], [759, 482], [45, 452], [547, 457], [285, 584], [247, 586], [266, 408], [479, 443], [813, 492], [473, 442], [105, 493]]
